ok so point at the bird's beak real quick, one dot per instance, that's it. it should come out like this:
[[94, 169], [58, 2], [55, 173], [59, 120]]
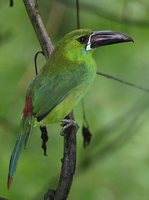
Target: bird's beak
[[102, 38]]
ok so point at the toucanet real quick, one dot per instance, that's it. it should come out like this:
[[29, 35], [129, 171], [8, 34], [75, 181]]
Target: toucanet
[[61, 83]]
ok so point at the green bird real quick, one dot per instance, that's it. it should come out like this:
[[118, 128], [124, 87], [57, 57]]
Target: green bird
[[61, 83]]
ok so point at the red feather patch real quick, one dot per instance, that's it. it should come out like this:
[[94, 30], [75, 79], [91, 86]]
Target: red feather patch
[[9, 182], [28, 107]]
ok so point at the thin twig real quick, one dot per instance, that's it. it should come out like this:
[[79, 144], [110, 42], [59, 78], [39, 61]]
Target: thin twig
[[123, 81], [10, 3], [69, 157], [35, 61], [78, 14], [107, 14]]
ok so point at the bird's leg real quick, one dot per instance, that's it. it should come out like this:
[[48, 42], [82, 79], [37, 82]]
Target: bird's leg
[[67, 123], [44, 137]]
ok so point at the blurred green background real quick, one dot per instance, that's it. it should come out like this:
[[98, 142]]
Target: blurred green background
[[116, 164]]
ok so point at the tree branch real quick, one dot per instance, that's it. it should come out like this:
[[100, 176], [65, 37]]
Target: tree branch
[[69, 156], [36, 20], [68, 163]]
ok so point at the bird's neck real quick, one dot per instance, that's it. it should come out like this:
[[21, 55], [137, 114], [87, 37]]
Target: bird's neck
[[77, 55]]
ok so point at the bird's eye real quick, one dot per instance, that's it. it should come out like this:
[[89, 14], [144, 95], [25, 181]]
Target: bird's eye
[[83, 39]]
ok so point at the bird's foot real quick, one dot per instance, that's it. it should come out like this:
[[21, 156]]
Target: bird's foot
[[67, 123]]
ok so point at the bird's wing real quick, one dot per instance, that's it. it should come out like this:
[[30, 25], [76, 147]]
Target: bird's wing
[[49, 91]]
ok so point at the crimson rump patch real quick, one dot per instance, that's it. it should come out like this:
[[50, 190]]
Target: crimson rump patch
[[28, 107]]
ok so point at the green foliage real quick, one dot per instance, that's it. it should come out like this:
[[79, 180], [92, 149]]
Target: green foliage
[[115, 166]]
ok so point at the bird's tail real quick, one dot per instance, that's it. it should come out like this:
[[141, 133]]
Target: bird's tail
[[24, 133]]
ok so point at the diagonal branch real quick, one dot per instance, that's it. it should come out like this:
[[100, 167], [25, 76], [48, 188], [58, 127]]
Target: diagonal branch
[[69, 157], [139, 87], [36, 20]]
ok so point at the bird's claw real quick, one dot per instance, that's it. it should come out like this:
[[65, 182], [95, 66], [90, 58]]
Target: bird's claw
[[67, 123]]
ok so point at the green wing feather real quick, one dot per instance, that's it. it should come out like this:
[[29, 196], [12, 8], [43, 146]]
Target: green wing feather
[[49, 91]]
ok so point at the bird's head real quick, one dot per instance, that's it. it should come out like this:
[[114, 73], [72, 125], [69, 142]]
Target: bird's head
[[87, 40]]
